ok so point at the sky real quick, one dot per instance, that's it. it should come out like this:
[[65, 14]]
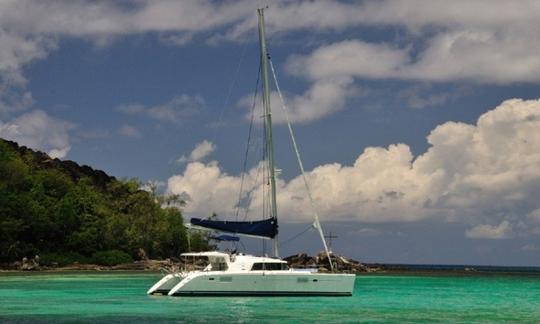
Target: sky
[[418, 121]]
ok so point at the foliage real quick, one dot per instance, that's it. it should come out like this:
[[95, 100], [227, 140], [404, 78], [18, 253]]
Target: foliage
[[62, 259], [70, 213], [111, 257]]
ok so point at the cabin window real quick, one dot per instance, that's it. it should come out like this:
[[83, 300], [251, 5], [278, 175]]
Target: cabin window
[[271, 266], [195, 262], [218, 264]]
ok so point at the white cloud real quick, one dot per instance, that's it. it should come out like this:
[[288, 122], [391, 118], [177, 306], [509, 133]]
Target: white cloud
[[481, 41], [176, 110], [89, 19], [488, 173], [462, 36], [15, 52], [201, 150], [129, 131], [460, 55], [39, 131], [501, 231], [206, 189], [456, 40], [349, 58], [323, 98], [18, 50]]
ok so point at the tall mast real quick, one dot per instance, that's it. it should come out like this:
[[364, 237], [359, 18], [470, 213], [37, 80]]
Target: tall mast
[[268, 121]]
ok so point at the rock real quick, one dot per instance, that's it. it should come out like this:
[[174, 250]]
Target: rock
[[141, 254], [301, 260], [30, 264], [320, 261]]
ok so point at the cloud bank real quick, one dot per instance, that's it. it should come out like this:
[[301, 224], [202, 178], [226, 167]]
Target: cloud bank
[[490, 42], [493, 42], [486, 176]]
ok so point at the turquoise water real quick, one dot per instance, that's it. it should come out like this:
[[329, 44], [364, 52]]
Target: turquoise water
[[120, 297]]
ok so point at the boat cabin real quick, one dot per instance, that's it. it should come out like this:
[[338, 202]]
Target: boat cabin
[[219, 261]]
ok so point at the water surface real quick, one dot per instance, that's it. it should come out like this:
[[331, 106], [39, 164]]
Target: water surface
[[120, 297]]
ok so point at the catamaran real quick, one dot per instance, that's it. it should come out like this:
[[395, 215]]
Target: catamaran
[[237, 274]]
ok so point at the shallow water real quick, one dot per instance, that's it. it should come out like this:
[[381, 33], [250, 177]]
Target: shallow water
[[120, 297]]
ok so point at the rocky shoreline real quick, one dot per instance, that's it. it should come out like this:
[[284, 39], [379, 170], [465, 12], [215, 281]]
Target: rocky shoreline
[[141, 265], [301, 260], [320, 262]]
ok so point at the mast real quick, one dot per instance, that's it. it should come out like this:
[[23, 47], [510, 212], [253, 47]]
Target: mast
[[268, 121]]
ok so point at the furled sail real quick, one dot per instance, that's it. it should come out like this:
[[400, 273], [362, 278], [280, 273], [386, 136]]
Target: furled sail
[[263, 228], [226, 238]]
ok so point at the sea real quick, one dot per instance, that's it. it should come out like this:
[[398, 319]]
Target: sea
[[411, 297]]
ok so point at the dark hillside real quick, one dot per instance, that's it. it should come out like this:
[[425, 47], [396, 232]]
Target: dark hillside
[[67, 213]]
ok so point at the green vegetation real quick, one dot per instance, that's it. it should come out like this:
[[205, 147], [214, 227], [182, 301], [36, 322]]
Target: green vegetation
[[111, 257], [69, 213]]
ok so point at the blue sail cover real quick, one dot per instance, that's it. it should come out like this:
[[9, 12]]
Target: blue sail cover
[[227, 238], [265, 228]]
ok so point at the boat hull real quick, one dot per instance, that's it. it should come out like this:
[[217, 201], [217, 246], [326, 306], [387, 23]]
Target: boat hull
[[264, 283], [166, 283]]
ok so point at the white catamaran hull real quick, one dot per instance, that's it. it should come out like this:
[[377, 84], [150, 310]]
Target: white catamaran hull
[[166, 283], [264, 283]]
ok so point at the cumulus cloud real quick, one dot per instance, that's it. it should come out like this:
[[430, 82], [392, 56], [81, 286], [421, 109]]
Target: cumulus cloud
[[201, 150], [39, 131], [487, 173], [323, 98], [175, 110], [206, 189], [501, 231]]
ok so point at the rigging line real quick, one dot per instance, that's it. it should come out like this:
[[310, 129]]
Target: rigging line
[[316, 223], [226, 102], [295, 236], [233, 83], [255, 183], [244, 167]]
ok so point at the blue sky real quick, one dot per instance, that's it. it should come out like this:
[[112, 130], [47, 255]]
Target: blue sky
[[417, 121]]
